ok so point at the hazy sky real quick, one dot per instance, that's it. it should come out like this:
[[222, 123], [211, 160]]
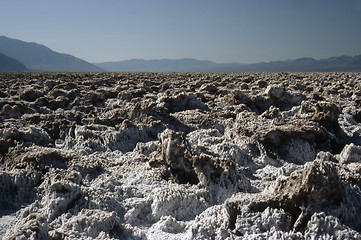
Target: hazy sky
[[243, 31]]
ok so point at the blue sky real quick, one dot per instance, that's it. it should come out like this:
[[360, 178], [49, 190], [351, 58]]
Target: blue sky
[[244, 31]]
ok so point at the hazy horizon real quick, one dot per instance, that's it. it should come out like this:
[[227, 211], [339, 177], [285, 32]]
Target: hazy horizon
[[274, 60], [220, 31]]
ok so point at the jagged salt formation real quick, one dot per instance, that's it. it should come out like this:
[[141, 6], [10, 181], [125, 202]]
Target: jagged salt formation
[[180, 156]]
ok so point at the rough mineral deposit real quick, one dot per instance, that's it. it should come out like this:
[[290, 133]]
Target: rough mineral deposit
[[180, 156]]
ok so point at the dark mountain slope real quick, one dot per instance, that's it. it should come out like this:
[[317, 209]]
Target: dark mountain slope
[[40, 58], [8, 64]]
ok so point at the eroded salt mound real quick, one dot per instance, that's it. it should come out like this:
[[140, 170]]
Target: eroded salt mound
[[180, 156]]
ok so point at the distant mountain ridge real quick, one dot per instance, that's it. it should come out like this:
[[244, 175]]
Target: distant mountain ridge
[[343, 63], [166, 65], [18, 55], [333, 64], [8, 64], [38, 57]]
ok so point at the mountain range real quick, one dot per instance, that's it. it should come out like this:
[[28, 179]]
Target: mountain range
[[168, 65], [17, 55], [342, 64], [38, 57]]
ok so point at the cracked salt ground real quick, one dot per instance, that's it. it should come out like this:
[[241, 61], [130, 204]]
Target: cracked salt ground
[[180, 156]]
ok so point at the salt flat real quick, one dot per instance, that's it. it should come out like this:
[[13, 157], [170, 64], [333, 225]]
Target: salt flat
[[180, 155]]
